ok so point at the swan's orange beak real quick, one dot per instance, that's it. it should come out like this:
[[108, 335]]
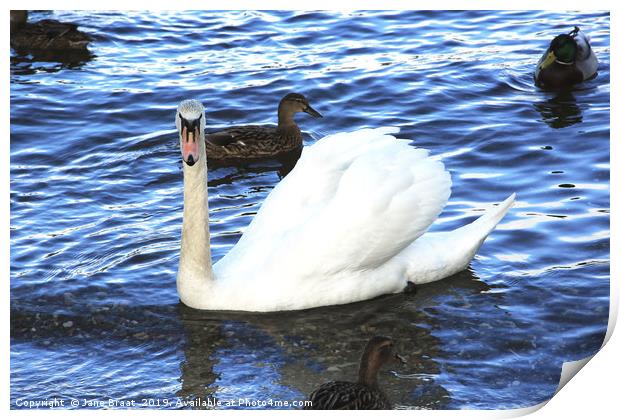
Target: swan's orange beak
[[189, 143]]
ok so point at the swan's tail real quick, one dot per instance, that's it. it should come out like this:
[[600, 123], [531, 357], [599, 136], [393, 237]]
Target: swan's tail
[[437, 255], [480, 228]]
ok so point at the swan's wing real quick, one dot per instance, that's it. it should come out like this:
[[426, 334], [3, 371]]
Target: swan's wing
[[352, 202]]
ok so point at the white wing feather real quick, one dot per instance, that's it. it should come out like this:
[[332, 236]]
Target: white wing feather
[[354, 201]]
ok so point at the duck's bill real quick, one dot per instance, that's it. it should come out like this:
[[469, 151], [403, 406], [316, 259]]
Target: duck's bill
[[189, 146], [548, 60], [400, 358], [313, 112]]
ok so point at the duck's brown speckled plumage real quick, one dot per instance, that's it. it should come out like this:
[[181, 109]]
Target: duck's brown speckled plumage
[[342, 395], [255, 141], [46, 34], [364, 394]]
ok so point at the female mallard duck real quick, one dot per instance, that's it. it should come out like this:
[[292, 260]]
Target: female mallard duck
[[348, 223], [363, 394], [255, 141], [568, 60], [45, 35]]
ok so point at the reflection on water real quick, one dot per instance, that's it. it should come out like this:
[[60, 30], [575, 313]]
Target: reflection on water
[[232, 355], [198, 375], [298, 352], [562, 110], [32, 63]]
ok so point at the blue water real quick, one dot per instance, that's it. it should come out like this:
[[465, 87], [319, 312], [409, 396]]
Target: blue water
[[96, 200]]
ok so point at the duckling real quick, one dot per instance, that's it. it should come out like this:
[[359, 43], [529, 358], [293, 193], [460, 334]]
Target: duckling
[[254, 141], [46, 34], [363, 394], [568, 60]]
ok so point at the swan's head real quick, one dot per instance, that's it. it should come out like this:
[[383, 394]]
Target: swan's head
[[294, 103], [190, 121]]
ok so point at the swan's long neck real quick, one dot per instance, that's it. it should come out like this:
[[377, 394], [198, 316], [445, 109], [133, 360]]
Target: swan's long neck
[[195, 277]]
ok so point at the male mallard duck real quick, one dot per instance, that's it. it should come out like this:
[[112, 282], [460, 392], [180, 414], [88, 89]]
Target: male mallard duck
[[568, 60], [255, 141], [363, 394], [350, 222], [45, 35]]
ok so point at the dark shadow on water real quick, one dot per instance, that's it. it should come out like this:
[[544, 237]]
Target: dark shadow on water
[[562, 110], [322, 344], [198, 374], [34, 61], [275, 355]]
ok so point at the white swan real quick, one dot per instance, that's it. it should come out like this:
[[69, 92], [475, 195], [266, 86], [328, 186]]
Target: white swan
[[346, 224]]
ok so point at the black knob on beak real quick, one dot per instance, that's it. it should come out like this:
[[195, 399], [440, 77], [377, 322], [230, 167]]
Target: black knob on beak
[[190, 160]]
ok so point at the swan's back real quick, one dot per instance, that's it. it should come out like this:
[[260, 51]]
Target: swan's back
[[353, 201]]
